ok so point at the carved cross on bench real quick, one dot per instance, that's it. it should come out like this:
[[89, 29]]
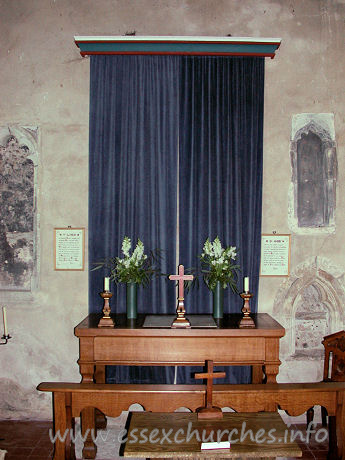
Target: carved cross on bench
[[209, 411]]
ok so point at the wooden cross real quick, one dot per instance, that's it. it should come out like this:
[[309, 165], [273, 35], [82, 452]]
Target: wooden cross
[[209, 411], [180, 320]]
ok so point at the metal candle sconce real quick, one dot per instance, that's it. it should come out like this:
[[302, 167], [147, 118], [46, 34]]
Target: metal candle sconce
[[6, 335], [6, 338]]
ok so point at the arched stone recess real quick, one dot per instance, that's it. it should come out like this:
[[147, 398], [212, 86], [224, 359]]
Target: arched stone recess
[[319, 286], [312, 193], [19, 222]]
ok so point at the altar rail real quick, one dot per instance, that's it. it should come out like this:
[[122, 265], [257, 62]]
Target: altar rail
[[70, 399]]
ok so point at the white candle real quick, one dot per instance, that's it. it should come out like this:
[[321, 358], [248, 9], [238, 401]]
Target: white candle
[[106, 283], [246, 284], [4, 317]]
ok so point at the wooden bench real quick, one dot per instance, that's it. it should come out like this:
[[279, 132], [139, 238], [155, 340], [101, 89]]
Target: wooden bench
[[71, 399]]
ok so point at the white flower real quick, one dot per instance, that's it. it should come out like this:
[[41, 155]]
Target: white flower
[[138, 253], [126, 246], [126, 263], [217, 247], [208, 247]]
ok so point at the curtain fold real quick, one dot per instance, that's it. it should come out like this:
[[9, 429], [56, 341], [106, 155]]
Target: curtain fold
[[132, 181], [220, 155]]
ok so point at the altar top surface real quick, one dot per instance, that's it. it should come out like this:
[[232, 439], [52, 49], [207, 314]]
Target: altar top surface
[[265, 325]]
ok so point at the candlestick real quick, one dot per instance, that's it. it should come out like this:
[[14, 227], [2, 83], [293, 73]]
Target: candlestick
[[106, 320], [246, 321], [106, 284], [4, 317], [246, 284]]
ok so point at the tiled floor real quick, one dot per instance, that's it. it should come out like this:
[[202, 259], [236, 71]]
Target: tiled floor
[[26, 440], [30, 440]]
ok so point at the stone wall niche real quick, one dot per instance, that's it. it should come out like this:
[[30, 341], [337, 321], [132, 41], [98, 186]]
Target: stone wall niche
[[310, 305], [18, 209], [312, 199], [312, 321]]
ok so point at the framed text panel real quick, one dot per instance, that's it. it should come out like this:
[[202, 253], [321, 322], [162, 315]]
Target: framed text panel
[[69, 248], [275, 255]]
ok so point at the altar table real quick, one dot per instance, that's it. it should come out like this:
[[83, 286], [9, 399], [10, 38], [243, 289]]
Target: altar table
[[129, 343]]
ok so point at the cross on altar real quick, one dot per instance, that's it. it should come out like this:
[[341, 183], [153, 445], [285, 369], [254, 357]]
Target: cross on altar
[[181, 278], [180, 320], [209, 411]]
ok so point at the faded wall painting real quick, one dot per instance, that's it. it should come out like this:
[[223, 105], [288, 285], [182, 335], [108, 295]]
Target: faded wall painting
[[18, 221]]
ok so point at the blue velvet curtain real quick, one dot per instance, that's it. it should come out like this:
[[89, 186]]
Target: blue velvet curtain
[[132, 179], [220, 148], [142, 110]]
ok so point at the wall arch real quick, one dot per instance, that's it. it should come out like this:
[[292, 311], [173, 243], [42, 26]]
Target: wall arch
[[328, 279]]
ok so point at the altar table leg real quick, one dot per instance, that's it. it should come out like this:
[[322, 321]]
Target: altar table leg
[[101, 419], [99, 373], [271, 372], [87, 416], [88, 422], [257, 374], [87, 372]]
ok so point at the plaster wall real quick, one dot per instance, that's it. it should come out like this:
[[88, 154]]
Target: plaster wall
[[45, 82]]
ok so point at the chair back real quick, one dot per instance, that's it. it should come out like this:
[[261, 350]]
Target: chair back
[[334, 364]]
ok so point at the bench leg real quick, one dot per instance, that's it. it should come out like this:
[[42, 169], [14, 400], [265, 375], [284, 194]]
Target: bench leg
[[60, 425], [70, 447], [332, 439], [88, 419], [310, 415], [340, 427], [324, 416]]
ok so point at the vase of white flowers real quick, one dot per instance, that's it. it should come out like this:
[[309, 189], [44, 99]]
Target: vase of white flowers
[[219, 271], [133, 269]]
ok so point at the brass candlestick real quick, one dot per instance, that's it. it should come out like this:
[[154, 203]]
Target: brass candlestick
[[246, 321], [106, 320], [180, 320]]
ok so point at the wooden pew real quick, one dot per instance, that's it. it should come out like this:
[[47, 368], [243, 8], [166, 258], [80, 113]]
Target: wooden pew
[[70, 399]]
